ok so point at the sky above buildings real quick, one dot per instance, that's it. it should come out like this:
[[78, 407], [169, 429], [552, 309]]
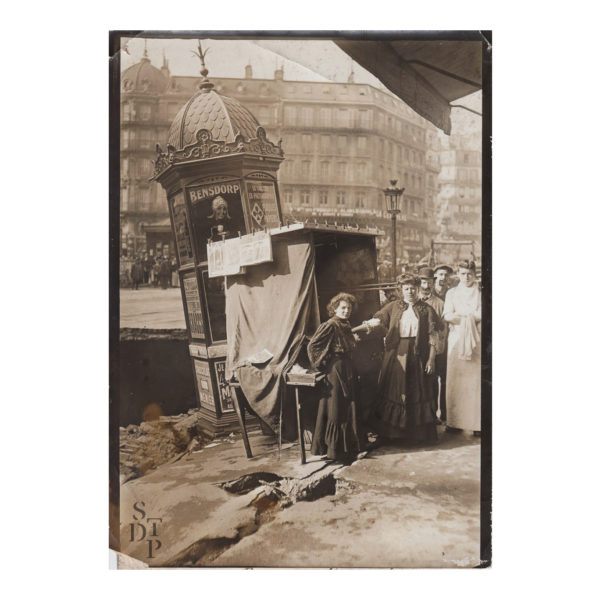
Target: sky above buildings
[[302, 60]]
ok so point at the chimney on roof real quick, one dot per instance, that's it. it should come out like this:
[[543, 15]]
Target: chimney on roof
[[279, 73], [248, 71], [165, 66]]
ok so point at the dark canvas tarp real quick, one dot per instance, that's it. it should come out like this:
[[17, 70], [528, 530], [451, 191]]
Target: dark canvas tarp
[[270, 308]]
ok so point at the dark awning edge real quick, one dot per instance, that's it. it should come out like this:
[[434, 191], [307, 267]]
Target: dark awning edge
[[414, 87]]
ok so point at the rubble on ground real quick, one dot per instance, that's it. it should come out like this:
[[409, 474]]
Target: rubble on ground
[[144, 447]]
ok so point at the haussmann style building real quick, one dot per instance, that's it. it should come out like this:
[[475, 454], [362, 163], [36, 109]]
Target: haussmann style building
[[343, 143]]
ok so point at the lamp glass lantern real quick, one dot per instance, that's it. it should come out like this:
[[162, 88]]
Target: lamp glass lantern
[[393, 194]]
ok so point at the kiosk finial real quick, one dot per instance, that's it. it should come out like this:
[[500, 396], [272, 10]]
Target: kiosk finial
[[206, 85]]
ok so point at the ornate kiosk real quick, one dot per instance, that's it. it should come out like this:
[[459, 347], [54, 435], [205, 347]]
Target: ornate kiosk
[[220, 174]]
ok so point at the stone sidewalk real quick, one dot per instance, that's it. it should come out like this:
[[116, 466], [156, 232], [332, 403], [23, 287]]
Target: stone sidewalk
[[151, 308], [395, 507]]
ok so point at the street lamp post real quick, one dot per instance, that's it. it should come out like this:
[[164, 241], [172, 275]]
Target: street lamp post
[[392, 201]]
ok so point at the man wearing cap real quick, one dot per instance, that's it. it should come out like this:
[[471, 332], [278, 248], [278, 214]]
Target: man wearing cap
[[442, 282], [426, 293]]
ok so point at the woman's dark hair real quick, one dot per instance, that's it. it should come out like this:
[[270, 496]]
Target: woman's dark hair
[[408, 279], [467, 264], [335, 302]]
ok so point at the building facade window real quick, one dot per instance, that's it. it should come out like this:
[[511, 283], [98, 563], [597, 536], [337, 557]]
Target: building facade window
[[291, 141], [340, 198], [305, 197], [264, 115], [361, 143], [342, 170], [306, 142], [144, 168], [143, 199], [343, 117], [361, 201], [306, 116], [289, 115], [342, 144], [288, 197], [305, 168], [147, 138], [325, 116], [323, 197], [364, 118], [325, 143], [145, 112], [325, 169]]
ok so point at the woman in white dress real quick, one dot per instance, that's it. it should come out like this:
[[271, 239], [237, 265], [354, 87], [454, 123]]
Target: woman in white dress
[[462, 310]]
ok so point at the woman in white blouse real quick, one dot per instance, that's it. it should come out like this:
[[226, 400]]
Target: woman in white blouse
[[462, 310], [406, 403]]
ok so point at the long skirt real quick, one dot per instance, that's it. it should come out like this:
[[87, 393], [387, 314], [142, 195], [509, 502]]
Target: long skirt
[[336, 430], [406, 405], [463, 388]]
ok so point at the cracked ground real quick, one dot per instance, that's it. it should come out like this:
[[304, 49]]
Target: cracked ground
[[395, 507]]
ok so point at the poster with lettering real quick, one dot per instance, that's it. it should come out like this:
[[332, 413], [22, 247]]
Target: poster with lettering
[[183, 239], [193, 304], [205, 391], [217, 213], [224, 258], [262, 204], [214, 288], [224, 389], [256, 248]]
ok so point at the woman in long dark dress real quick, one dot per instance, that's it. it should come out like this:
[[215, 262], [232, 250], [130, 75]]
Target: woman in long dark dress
[[406, 404], [330, 351]]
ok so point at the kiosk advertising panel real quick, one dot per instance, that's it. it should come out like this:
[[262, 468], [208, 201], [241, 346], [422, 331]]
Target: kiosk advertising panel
[[217, 213]]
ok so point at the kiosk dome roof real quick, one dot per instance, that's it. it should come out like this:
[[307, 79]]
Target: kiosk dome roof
[[143, 77], [223, 117]]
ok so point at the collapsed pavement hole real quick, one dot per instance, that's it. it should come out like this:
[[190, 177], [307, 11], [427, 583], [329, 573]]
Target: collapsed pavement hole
[[278, 494], [246, 483]]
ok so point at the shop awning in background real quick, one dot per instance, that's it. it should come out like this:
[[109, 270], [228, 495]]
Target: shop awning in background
[[162, 226], [427, 75]]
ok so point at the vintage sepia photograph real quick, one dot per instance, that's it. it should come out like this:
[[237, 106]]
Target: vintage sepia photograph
[[300, 299]]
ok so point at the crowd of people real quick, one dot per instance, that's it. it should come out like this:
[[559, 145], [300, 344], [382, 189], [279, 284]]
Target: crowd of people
[[430, 374], [160, 271]]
